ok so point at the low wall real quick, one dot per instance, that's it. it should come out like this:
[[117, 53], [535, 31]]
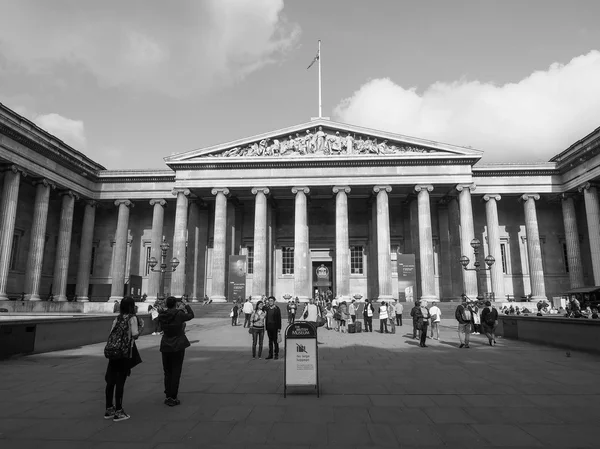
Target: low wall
[[64, 307], [36, 335], [570, 333]]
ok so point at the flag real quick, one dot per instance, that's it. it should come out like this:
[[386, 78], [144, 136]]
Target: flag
[[314, 60]]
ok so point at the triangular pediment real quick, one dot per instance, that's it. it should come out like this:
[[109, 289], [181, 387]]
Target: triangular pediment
[[323, 138]]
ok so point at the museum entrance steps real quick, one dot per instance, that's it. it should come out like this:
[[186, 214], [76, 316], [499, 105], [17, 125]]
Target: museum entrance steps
[[213, 310]]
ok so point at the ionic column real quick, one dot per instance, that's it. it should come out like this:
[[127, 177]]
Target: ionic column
[[534, 249], [197, 240], [259, 277], [35, 258], [426, 243], [179, 241], [8, 211], [467, 234], [342, 243], [572, 241], [455, 251], [493, 231], [158, 217], [592, 213], [302, 287], [384, 258], [219, 262], [85, 251], [120, 256], [63, 250]]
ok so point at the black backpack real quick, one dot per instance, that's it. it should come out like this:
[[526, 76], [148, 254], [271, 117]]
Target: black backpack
[[118, 343]]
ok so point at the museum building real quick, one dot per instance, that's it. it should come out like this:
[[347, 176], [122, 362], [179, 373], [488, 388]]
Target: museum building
[[319, 205]]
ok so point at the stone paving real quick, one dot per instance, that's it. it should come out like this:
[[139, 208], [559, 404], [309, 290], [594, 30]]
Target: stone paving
[[376, 391]]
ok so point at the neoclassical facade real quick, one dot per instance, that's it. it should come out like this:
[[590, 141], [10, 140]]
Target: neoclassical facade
[[320, 197]]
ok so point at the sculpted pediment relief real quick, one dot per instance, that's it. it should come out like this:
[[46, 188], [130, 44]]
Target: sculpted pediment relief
[[319, 142]]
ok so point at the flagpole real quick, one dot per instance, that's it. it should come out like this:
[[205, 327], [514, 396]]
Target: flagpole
[[319, 61]]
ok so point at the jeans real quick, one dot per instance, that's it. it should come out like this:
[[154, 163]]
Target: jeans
[[258, 336], [234, 320], [172, 366], [329, 322], [247, 319], [489, 331], [398, 319], [383, 325], [272, 334], [291, 317], [415, 330], [353, 318], [115, 378], [464, 332], [369, 324], [423, 334]]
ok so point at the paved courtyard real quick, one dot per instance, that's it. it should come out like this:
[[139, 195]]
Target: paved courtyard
[[376, 391]]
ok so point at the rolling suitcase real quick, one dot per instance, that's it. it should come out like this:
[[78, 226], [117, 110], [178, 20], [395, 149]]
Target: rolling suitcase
[[351, 328], [358, 326]]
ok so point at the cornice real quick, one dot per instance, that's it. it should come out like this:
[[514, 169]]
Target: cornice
[[513, 170], [35, 138], [331, 161], [136, 176]]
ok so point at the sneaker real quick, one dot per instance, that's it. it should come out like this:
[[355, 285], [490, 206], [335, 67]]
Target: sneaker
[[170, 402], [276, 357], [120, 415], [269, 357], [110, 413], [176, 401], [462, 345]]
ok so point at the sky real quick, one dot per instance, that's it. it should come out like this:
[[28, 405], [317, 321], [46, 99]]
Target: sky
[[130, 82]]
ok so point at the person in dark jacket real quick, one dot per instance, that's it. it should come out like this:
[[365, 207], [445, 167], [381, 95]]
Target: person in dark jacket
[[173, 344], [414, 314], [368, 312], [273, 326]]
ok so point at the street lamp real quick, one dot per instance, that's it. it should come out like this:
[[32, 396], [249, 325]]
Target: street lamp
[[489, 261], [164, 247]]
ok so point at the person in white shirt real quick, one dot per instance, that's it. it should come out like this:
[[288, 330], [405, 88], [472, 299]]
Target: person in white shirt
[[399, 308], [383, 316], [352, 311], [248, 308], [436, 317]]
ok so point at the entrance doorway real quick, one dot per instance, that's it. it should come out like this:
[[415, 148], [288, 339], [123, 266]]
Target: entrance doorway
[[322, 275]]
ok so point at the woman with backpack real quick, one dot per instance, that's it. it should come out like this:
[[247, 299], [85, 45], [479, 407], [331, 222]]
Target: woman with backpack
[[122, 355]]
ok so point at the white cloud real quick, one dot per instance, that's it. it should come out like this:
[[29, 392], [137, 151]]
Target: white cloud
[[530, 120], [72, 132], [176, 48]]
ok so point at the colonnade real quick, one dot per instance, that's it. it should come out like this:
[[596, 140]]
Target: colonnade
[[459, 210]]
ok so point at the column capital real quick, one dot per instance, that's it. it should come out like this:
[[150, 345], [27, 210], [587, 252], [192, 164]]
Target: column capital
[[338, 189], [177, 191], [568, 195], [70, 193], [217, 190], [461, 187], [263, 190], [382, 188], [304, 189], [91, 203], [127, 203], [491, 196], [15, 169], [45, 182], [424, 187], [160, 201], [586, 186], [527, 196]]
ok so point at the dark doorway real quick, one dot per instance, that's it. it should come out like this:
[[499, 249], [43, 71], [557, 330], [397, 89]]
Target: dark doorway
[[322, 276]]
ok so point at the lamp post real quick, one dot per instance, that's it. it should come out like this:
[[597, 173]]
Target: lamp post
[[489, 261], [164, 247]]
